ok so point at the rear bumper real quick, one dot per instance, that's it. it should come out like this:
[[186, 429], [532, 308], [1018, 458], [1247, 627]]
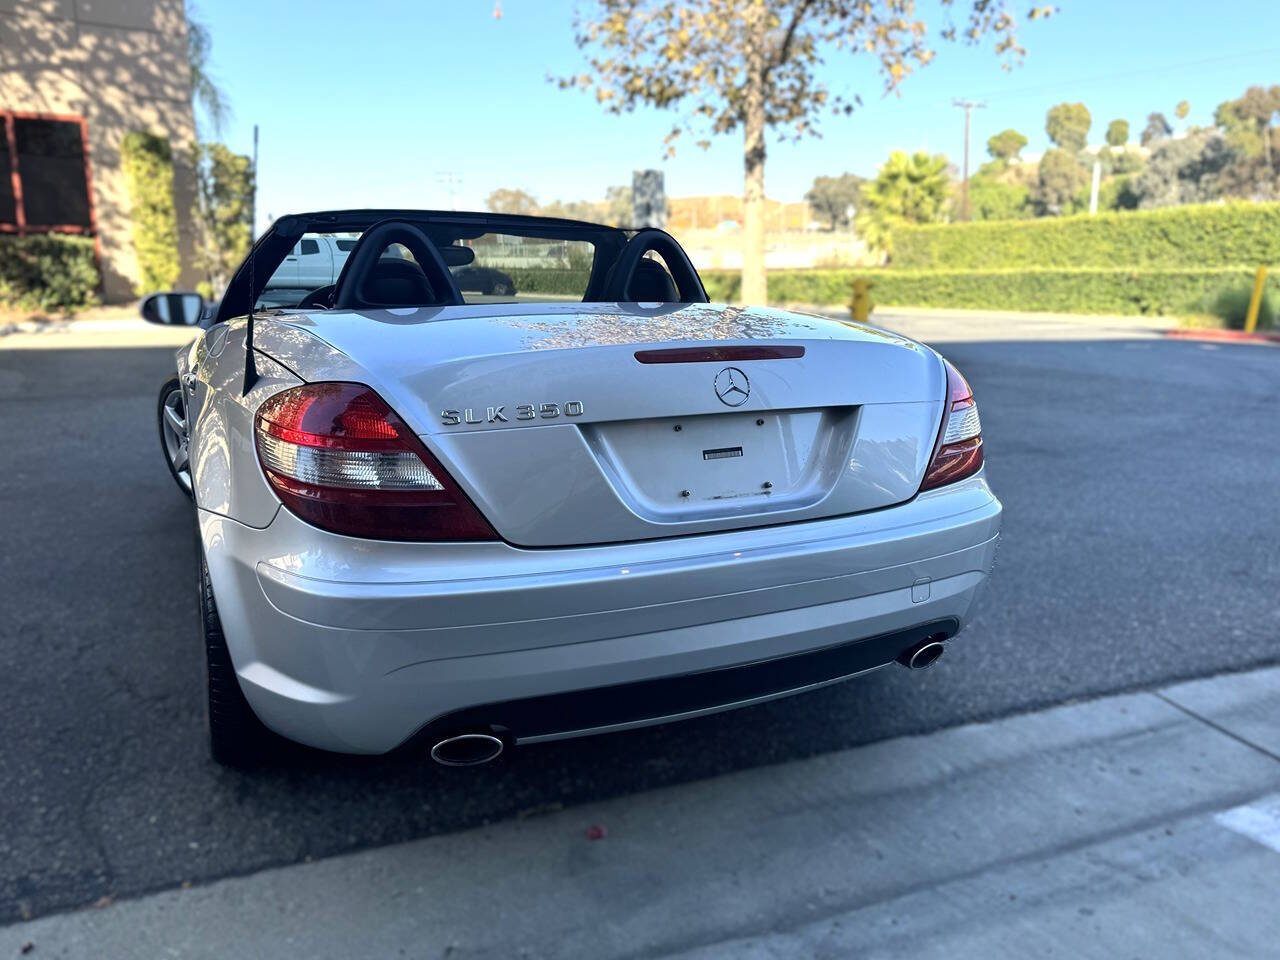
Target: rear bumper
[[558, 716], [357, 646]]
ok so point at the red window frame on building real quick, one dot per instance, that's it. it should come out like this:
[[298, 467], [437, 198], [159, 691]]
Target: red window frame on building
[[19, 224]]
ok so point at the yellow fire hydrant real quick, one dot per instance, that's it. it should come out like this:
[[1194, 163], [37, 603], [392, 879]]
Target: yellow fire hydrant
[[862, 306]]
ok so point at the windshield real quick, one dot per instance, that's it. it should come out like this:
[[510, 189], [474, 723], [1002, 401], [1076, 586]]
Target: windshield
[[488, 267], [314, 262], [510, 268]]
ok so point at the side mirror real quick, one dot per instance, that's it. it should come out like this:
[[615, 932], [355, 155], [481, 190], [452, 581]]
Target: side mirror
[[173, 309]]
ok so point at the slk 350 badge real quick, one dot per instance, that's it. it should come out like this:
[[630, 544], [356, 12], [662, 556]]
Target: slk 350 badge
[[519, 412]]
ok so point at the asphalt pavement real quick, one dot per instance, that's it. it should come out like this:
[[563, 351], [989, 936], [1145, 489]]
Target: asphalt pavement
[[1140, 547]]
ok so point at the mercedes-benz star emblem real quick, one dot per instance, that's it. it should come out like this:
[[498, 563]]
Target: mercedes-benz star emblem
[[732, 386]]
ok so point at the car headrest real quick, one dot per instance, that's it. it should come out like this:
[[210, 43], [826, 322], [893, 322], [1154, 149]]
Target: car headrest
[[651, 282], [395, 282]]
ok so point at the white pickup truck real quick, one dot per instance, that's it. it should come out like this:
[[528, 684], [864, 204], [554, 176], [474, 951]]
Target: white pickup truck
[[314, 262]]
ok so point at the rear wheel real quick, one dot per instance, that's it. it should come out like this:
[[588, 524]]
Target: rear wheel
[[171, 411], [236, 736]]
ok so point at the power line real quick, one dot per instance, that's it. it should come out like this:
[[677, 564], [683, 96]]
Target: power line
[[1230, 59]]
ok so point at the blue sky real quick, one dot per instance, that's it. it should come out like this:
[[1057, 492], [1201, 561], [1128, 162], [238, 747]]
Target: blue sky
[[372, 103]]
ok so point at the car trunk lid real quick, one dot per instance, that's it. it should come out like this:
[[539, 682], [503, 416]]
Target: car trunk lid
[[588, 423]]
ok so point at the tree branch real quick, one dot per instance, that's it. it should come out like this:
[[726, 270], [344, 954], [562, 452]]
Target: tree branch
[[785, 50]]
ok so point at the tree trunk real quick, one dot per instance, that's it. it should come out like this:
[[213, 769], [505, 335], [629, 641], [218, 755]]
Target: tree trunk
[[754, 291]]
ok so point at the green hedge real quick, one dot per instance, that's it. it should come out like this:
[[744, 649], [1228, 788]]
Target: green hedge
[[148, 169], [1120, 291], [552, 280], [47, 272], [1190, 236]]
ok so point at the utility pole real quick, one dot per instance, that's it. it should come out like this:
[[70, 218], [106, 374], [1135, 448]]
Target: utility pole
[[253, 194], [451, 180], [969, 106]]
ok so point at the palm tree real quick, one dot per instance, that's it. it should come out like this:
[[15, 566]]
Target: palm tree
[[205, 91], [907, 189]]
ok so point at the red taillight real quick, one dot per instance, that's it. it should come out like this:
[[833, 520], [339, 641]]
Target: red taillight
[[958, 451], [340, 459]]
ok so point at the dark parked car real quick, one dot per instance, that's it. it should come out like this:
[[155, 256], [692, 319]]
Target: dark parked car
[[474, 279]]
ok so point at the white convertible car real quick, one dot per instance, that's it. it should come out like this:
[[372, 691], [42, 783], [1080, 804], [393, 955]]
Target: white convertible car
[[590, 502]]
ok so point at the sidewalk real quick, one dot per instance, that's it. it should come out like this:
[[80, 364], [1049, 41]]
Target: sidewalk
[[114, 326], [939, 325], [122, 327], [1144, 825]]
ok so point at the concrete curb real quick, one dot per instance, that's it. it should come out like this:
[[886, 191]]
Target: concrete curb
[[1232, 336], [1135, 321], [1143, 824]]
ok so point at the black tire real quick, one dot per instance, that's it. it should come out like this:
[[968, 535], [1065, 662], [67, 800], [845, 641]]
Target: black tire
[[237, 738], [171, 387]]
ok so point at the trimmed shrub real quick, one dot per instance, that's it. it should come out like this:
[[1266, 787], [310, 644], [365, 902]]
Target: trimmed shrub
[[148, 169], [1197, 237], [48, 272], [552, 280], [1117, 290]]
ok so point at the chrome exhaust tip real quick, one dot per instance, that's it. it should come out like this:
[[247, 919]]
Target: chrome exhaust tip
[[924, 654], [467, 750]]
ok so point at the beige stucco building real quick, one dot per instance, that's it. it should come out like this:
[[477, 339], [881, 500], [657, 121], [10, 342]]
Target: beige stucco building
[[75, 77]]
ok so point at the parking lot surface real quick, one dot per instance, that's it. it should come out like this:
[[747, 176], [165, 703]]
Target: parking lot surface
[[1139, 548]]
